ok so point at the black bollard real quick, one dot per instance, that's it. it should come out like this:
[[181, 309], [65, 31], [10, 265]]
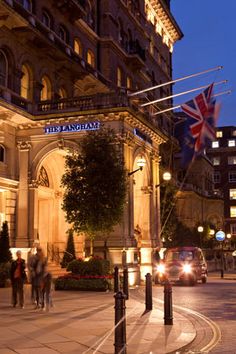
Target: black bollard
[[222, 273], [148, 292], [120, 323], [126, 283], [116, 279], [168, 311]]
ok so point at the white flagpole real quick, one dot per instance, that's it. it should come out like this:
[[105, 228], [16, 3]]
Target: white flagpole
[[176, 80], [180, 94], [175, 107]]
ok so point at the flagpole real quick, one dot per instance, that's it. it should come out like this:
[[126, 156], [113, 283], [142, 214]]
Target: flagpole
[[180, 94], [176, 80], [178, 106]]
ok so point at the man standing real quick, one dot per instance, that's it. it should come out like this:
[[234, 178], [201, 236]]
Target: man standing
[[18, 277]]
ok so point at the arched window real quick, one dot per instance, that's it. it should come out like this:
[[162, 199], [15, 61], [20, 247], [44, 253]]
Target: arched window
[[78, 47], [3, 68], [62, 92], [27, 4], [47, 19], [2, 153], [119, 77], [63, 34], [46, 92], [90, 58], [43, 179], [25, 82]]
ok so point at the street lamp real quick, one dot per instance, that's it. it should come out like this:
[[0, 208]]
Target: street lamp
[[200, 228], [166, 178], [141, 162]]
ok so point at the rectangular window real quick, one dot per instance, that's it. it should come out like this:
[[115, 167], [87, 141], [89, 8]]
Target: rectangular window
[[216, 177], [216, 161], [231, 143], [231, 160], [219, 134], [232, 176], [234, 133], [232, 193], [233, 229], [233, 211], [215, 144]]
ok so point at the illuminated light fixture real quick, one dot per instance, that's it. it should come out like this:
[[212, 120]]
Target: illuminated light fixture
[[212, 232], [228, 236], [166, 178], [141, 162], [200, 229]]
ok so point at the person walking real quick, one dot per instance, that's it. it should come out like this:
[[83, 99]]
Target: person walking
[[30, 265], [18, 278], [39, 270]]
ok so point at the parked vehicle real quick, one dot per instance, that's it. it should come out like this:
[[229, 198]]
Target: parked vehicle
[[183, 264]]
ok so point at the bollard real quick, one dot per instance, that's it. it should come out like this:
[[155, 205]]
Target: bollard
[[120, 323], [116, 279], [222, 273], [126, 283], [168, 312], [148, 292]]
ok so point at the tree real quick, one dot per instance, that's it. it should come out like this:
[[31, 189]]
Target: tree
[[5, 253], [95, 184], [69, 253]]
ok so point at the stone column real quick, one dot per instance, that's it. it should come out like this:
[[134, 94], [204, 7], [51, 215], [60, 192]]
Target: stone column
[[22, 227], [33, 212]]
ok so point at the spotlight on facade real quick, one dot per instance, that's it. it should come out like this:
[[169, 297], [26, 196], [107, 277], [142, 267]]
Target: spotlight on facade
[[141, 162], [200, 228]]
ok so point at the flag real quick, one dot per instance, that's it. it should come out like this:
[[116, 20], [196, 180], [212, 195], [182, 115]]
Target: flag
[[199, 126]]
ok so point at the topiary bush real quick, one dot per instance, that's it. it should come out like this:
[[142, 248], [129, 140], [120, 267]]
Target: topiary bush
[[94, 266]]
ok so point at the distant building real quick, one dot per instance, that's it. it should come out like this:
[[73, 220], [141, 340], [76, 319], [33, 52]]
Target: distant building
[[222, 154], [65, 68]]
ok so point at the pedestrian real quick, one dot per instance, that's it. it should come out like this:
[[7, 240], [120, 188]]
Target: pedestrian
[[18, 278], [46, 285], [30, 265], [39, 269]]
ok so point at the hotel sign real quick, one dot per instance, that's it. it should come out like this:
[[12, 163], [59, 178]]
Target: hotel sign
[[71, 127]]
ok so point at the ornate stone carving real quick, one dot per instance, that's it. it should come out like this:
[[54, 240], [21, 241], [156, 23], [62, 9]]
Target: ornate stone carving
[[61, 144], [24, 145], [43, 179]]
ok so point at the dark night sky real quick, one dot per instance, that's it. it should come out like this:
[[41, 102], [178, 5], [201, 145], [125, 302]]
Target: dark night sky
[[209, 40]]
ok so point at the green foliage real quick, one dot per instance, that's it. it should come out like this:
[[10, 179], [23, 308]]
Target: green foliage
[[95, 184], [5, 253], [69, 253], [4, 273], [82, 284], [94, 266]]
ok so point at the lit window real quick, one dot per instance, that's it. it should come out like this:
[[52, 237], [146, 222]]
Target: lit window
[[234, 133], [78, 47], [232, 194], [46, 19], [25, 82], [215, 144], [46, 92], [231, 160], [119, 77], [232, 176], [3, 69], [219, 134], [128, 82], [231, 143], [151, 46], [216, 161], [233, 211], [233, 229], [216, 177], [90, 58], [2, 153]]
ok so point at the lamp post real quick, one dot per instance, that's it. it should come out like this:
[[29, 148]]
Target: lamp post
[[166, 178], [200, 230], [220, 236]]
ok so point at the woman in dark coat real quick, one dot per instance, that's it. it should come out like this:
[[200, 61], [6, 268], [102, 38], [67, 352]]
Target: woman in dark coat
[[18, 278]]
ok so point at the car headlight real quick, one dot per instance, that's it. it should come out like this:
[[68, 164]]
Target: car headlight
[[187, 268], [161, 268]]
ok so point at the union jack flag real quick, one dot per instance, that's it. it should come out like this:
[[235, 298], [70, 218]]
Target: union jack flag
[[200, 125]]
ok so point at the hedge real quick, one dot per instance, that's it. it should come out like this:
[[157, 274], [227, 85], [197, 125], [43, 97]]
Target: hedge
[[94, 266], [90, 283]]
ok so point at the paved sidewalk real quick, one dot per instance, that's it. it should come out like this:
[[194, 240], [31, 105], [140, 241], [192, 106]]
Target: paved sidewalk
[[229, 275], [83, 323]]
